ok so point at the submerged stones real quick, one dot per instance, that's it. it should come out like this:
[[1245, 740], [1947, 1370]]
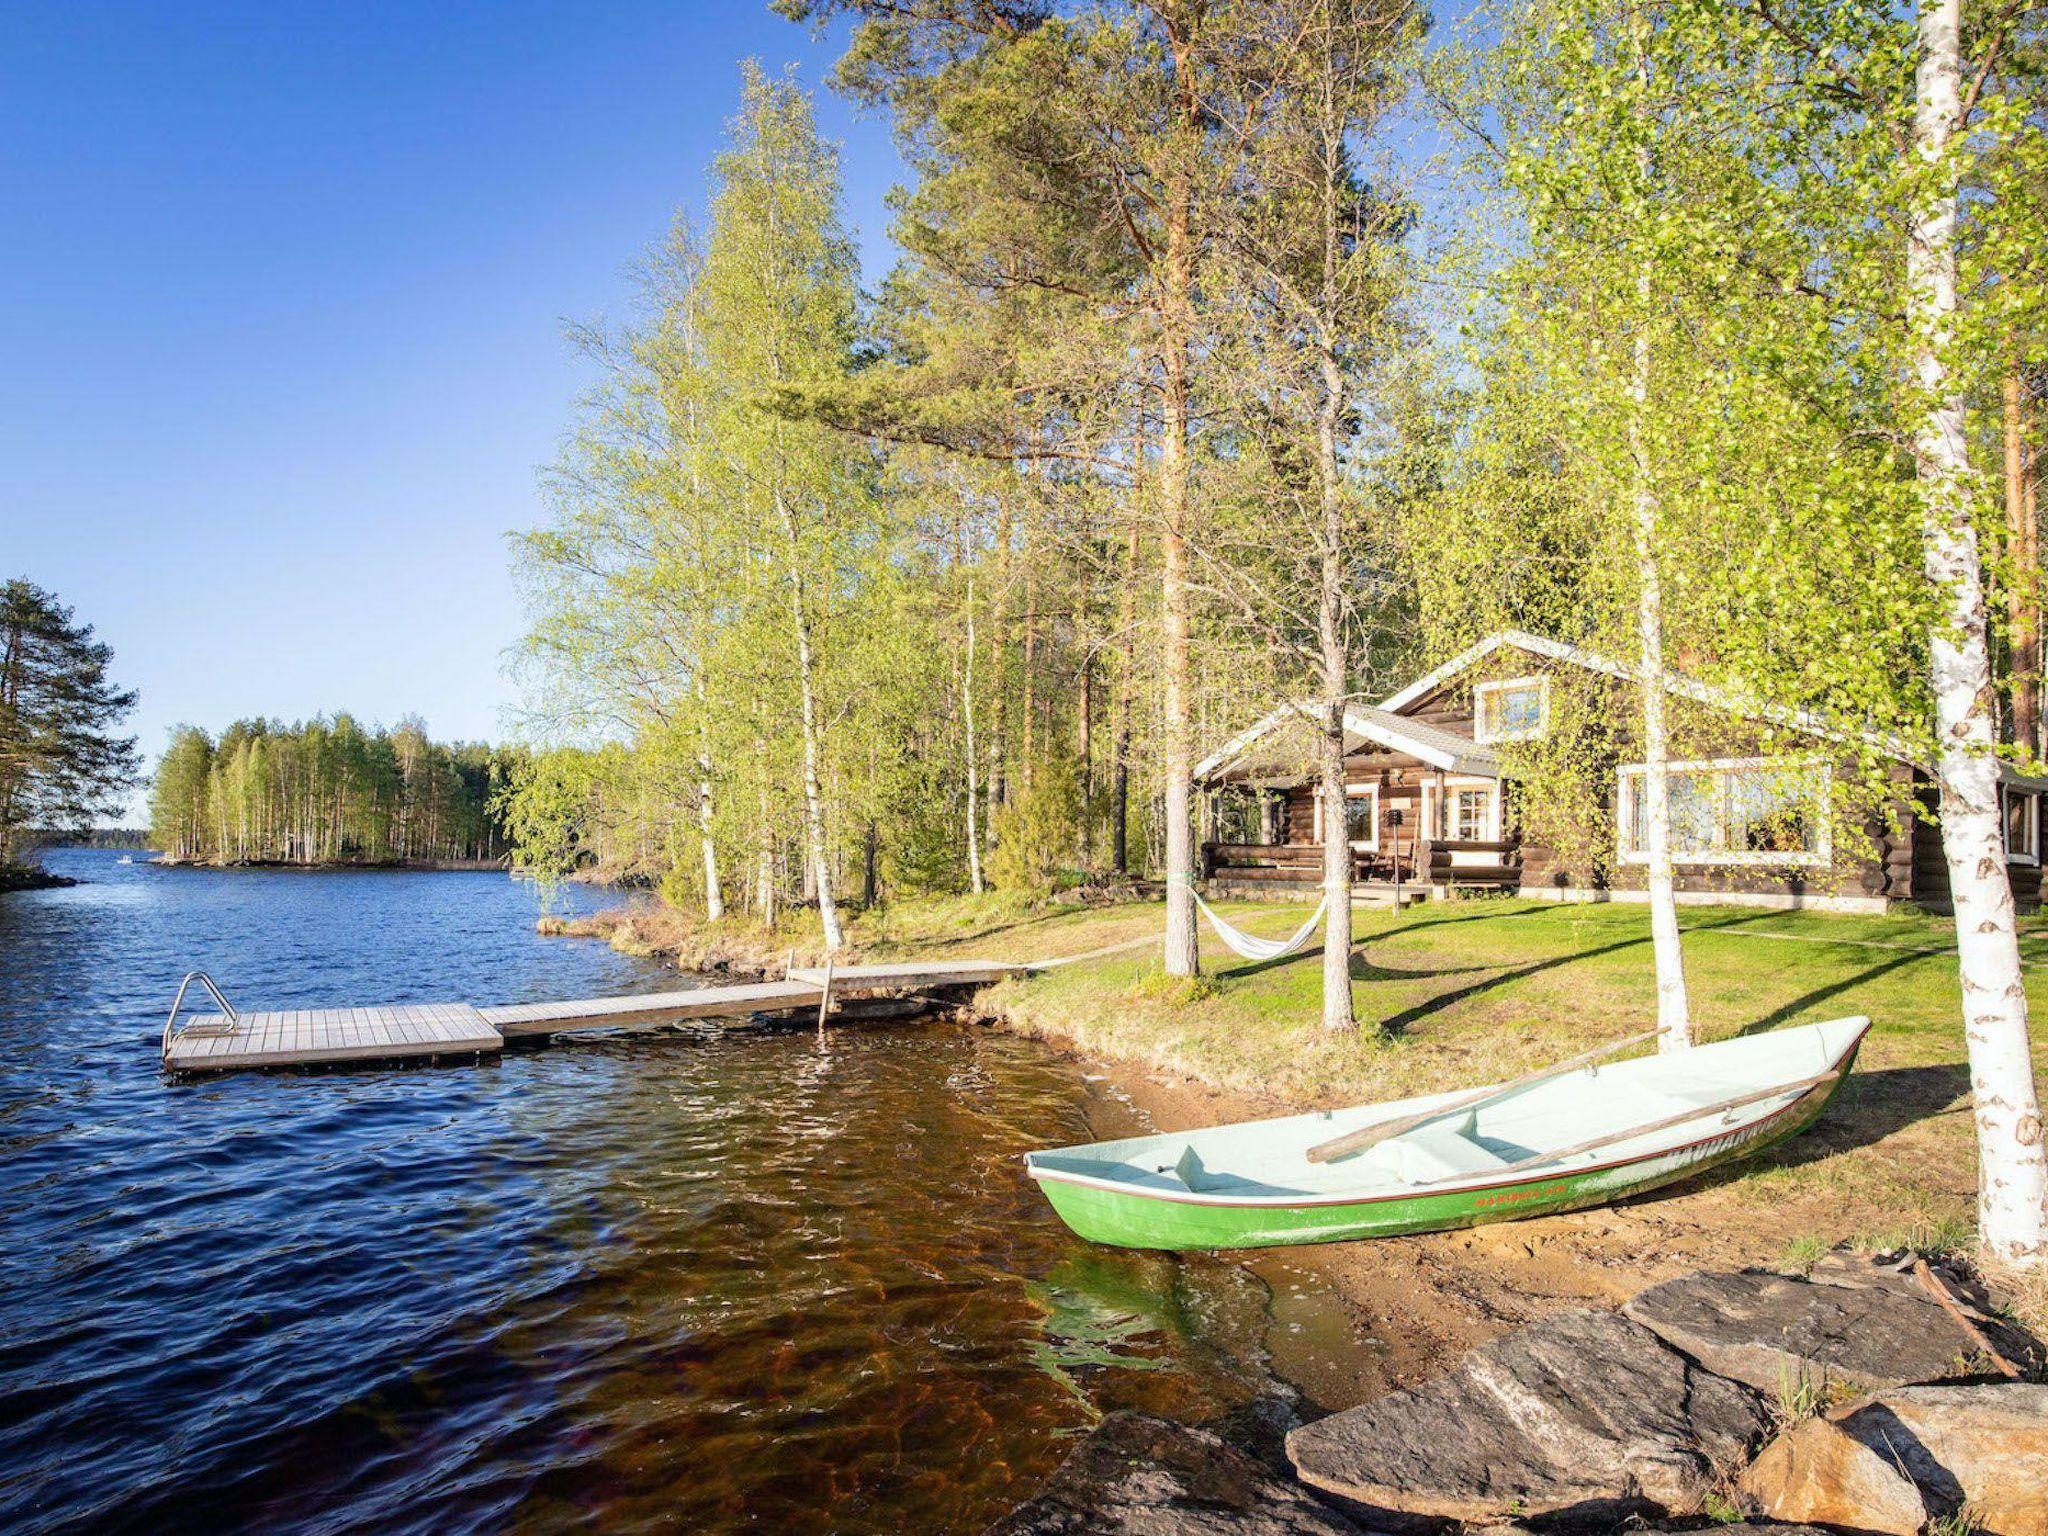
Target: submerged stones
[[1141, 1476], [1584, 1414]]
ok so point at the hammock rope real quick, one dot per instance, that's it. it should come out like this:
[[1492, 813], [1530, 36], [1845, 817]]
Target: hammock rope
[[1252, 947]]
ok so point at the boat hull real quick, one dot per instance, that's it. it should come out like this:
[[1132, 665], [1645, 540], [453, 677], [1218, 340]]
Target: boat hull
[[1137, 1219]]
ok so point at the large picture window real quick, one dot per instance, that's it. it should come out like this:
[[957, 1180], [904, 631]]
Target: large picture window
[[1771, 811], [1518, 710]]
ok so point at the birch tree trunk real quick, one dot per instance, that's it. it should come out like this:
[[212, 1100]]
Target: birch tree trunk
[[1127, 618], [974, 881], [1674, 1014], [2012, 1178], [714, 898], [814, 797], [1183, 951], [1337, 1014], [1674, 1010]]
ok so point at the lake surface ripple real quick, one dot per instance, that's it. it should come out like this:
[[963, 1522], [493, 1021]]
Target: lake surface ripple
[[629, 1283]]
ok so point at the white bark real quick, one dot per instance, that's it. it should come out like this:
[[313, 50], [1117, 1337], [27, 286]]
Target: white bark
[[814, 796], [974, 880], [714, 898], [1183, 942], [1674, 1014], [1337, 1014], [1674, 1010], [2012, 1189]]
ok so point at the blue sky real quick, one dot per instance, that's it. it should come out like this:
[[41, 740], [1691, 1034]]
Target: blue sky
[[282, 295]]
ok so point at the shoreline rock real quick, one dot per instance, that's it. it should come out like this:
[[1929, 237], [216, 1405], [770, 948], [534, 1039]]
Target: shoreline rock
[[1904, 1457], [1583, 1417], [1779, 1333], [32, 877]]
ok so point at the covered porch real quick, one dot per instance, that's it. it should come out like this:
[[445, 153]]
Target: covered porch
[[1425, 809]]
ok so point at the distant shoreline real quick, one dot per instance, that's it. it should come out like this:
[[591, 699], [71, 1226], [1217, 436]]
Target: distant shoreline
[[31, 877], [405, 866]]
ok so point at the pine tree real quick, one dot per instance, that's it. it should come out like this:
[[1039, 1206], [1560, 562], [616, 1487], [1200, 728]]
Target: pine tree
[[61, 765]]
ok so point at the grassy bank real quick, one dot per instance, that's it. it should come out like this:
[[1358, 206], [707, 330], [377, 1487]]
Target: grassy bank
[[1472, 992]]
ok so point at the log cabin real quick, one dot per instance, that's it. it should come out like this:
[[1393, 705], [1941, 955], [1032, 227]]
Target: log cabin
[[1513, 768]]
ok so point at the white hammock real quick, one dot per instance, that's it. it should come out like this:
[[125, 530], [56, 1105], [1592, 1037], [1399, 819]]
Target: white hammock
[[1253, 948]]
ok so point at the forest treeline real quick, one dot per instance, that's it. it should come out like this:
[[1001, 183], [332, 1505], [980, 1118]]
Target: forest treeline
[[328, 791]]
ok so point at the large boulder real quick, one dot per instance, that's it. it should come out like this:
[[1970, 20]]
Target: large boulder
[[1913, 1454], [1773, 1331], [1817, 1471], [1140, 1476], [1982, 1447], [1584, 1416]]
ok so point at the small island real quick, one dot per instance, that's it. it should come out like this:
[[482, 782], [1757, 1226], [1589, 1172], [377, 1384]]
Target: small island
[[329, 792]]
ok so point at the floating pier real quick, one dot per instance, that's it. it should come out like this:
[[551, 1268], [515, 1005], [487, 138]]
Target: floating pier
[[229, 1039]]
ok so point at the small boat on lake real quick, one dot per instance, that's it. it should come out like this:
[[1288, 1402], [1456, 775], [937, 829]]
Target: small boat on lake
[[1556, 1141]]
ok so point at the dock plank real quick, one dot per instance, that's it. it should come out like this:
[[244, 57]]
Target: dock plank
[[652, 1007], [303, 1036]]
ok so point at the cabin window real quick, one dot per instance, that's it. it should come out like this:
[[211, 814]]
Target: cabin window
[[1511, 711], [1471, 811], [1768, 811], [2022, 827], [1361, 816]]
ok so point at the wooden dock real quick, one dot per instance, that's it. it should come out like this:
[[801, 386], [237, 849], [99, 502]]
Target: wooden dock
[[233, 1039]]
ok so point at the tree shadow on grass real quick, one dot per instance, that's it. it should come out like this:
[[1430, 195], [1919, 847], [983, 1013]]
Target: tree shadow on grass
[[1362, 969], [1869, 1107], [1400, 1023], [1809, 1000]]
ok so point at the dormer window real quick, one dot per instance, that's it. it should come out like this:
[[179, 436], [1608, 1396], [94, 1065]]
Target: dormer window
[[1518, 710]]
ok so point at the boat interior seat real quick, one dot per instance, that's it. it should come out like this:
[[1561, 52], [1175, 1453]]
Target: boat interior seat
[[1441, 1150], [1680, 1097]]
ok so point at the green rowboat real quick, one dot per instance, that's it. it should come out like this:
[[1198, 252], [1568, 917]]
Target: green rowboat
[[1573, 1139]]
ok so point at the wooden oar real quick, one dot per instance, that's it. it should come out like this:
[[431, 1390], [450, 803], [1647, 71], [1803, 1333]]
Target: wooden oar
[[1373, 1135], [1665, 1124]]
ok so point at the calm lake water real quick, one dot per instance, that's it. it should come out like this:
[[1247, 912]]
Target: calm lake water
[[652, 1282]]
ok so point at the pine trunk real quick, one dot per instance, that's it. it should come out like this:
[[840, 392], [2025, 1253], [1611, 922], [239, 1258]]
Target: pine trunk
[[2012, 1187]]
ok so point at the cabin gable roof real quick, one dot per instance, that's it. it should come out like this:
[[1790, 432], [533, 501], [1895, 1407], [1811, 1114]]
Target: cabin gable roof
[[1362, 724]]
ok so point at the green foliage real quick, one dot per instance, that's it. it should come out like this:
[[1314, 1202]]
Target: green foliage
[[327, 791], [1035, 847], [61, 766]]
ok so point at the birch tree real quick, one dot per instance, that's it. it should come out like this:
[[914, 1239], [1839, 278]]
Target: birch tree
[[2012, 1163], [779, 278]]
